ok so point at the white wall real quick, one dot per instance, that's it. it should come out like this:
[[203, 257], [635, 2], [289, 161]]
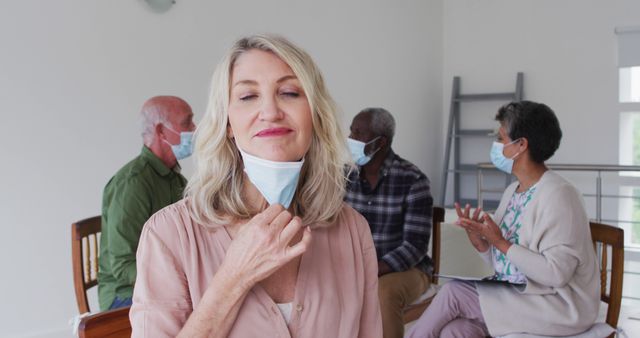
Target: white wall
[[74, 74], [567, 51]]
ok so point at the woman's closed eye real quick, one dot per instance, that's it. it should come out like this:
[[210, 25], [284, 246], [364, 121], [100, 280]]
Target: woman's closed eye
[[247, 97], [290, 93]]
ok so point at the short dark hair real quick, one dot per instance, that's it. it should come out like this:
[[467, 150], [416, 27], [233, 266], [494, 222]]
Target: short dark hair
[[534, 121]]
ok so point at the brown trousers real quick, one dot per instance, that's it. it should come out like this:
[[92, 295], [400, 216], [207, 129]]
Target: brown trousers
[[397, 290]]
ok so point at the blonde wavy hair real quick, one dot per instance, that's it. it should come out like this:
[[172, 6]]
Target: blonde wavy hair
[[215, 191]]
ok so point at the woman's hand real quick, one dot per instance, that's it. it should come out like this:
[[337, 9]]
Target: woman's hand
[[487, 230], [262, 246], [475, 238]]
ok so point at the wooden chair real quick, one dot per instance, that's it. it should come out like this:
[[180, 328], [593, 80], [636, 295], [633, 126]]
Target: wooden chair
[[605, 236], [108, 324], [84, 254], [413, 311]]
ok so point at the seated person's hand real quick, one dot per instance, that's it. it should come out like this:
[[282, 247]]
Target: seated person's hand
[[464, 217], [484, 228]]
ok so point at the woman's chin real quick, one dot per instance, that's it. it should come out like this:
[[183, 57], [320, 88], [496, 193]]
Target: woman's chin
[[279, 154]]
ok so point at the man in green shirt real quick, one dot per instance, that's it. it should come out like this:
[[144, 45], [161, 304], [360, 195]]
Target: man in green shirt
[[143, 186]]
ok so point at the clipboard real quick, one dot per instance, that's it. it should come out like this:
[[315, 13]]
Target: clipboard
[[488, 279]]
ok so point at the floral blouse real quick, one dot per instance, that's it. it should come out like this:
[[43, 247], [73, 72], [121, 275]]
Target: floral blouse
[[510, 227]]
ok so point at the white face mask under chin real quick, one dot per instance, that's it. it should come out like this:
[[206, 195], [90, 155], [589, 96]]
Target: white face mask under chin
[[276, 181]]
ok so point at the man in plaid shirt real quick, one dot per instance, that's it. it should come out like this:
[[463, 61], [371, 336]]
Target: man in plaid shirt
[[395, 198]]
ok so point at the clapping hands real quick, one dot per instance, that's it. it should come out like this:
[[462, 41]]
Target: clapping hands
[[482, 231]]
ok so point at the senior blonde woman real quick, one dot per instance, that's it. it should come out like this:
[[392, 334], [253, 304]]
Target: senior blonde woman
[[262, 245], [539, 239]]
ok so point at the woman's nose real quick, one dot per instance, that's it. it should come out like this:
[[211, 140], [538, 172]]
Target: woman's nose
[[270, 109]]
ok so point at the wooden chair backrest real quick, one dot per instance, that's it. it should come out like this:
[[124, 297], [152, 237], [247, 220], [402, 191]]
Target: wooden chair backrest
[[84, 255], [108, 324], [605, 236], [438, 219]]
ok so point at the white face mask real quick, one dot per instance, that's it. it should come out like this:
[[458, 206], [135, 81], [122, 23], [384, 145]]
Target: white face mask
[[357, 151], [276, 181], [183, 149], [498, 159]]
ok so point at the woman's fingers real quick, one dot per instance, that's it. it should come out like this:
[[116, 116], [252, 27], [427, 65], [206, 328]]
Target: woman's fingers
[[283, 228], [262, 245], [269, 214], [476, 213], [280, 221], [488, 220], [467, 223], [300, 247], [471, 225], [493, 230], [462, 213], [458, 210], [290, 230]]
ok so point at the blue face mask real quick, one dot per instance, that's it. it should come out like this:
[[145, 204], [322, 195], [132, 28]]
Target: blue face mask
[[276, 181], [357, 151], [498, 159], [185, 148]]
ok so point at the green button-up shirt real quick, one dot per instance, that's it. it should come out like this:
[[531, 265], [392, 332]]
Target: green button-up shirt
[[142, 187]]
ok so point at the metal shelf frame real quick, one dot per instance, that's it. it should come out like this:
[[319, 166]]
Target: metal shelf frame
[[482, 168], [455, 134]]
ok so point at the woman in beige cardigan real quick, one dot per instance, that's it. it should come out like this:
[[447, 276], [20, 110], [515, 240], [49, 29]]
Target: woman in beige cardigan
[[539, 240]]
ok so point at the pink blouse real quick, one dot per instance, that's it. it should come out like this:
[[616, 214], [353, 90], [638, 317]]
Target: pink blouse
[[336, 290]]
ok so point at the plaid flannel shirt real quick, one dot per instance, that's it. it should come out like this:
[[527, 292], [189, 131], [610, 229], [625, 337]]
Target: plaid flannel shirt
[[399, 211]]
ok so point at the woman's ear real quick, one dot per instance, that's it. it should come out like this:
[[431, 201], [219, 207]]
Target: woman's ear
[[523, 144]]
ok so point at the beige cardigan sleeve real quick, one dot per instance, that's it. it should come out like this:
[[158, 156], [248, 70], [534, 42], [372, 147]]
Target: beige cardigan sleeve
[[555, 263]]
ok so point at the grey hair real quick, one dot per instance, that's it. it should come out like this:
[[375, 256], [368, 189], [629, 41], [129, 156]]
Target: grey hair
[[150, 116], [382, 122]]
